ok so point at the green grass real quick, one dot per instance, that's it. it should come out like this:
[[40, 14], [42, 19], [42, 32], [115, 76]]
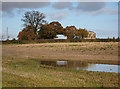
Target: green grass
[[74, 45], [26, 73]]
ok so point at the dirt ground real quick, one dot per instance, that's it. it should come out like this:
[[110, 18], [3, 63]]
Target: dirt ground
[[87, 51]]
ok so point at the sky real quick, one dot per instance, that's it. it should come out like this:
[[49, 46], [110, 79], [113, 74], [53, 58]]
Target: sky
[[100, 17]]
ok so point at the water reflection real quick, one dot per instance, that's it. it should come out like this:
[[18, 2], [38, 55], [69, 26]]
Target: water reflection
[[82, 65], [102, 68], [59, 63], [68, 64]]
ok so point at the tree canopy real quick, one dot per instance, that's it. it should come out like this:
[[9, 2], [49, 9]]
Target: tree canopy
[[57, 27], [26, 34], [37, 28], [47, 32], [82, 33], [34, 20], [71, 31]]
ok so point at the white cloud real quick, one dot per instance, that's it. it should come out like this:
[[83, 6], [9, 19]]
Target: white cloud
[[90, 8], [58, 15], [94, 8]]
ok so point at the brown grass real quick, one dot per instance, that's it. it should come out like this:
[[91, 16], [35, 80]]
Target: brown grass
[[27, 74], [87, 51]]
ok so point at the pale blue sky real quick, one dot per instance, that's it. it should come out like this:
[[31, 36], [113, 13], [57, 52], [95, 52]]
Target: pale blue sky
[[102, 18]]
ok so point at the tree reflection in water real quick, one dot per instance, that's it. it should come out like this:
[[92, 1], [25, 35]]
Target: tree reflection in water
[[67, 64]]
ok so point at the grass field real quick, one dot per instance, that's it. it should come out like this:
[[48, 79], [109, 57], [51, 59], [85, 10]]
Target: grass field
[[20, 68]]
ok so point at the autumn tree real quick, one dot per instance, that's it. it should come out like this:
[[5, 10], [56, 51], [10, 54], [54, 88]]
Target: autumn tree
[[47, 32], [26, 34], [71, 32], [82, 33], [37, 28], [34, 20], [58, 27]]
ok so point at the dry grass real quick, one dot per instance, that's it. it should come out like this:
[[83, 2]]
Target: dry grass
[[87, 51]]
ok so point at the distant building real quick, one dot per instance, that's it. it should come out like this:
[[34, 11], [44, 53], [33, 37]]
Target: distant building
[[60, 36], [91, 35]]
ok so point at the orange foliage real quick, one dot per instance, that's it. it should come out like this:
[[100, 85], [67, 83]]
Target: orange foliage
[[71, 31], [26, 34]]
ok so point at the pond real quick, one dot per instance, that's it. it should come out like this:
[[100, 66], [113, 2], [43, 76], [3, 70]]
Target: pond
[[82, 65]]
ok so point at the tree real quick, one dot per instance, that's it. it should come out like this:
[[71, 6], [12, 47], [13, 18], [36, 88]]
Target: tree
[[118, 38], [113, 38], [57, 27], [71, 32], [26, 34], [33, 20], [82, 33], [47, 32]]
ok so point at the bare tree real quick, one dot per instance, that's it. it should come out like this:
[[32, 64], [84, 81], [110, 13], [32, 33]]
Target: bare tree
[[33, 19]]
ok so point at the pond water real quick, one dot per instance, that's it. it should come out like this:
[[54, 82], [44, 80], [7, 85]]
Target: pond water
[[82, 65]]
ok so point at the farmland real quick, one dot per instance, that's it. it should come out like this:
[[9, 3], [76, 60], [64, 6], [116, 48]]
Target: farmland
[[19, 63]]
